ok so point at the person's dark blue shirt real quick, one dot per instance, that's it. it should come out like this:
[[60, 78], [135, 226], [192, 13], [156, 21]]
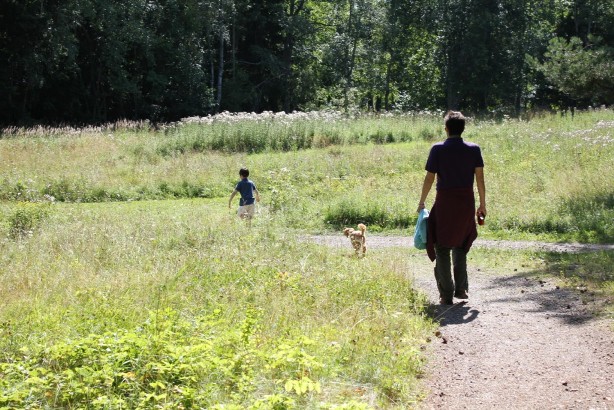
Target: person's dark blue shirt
[[454, 161], [246, 188]]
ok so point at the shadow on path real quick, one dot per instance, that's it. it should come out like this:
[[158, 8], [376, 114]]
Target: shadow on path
[[544, 296], [581, 300], [459, 313]]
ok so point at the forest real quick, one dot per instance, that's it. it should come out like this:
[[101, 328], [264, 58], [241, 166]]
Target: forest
[[97, 61]]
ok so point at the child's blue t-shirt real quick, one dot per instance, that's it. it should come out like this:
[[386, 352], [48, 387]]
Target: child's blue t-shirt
[[246, 189]]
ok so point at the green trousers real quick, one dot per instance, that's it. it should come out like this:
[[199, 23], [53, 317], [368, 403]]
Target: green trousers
[[443, 271]]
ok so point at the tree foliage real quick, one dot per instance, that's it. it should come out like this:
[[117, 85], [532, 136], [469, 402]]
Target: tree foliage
[[87, 61], [584, 74]]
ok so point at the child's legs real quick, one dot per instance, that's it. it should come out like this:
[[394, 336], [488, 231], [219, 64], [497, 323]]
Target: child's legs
[[246, 211], [241, 212]]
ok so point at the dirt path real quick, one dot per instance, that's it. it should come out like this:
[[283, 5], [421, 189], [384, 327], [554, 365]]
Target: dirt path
[[402, 241], [518, 343]]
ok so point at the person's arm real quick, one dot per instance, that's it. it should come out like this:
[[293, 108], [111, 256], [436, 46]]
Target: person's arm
[[479, 180], [232, 196], [257, 195], [429, 178]]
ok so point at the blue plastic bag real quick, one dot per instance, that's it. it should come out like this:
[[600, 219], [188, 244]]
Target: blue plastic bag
[[420, 232]]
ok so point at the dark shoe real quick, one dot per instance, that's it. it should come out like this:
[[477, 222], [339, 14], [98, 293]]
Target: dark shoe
[[443, 301], [461, 295]]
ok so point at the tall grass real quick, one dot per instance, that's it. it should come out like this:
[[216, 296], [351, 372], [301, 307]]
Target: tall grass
[[296, 131], [176, 303], [551, 175], [535, 169]]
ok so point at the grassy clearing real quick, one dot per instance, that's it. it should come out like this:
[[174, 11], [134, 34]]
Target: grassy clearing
[[174, 303], [115, 296], [547, 178]]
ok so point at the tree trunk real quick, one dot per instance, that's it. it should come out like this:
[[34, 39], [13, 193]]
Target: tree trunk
[[288, 53], [212, 71], [234, 46], [350, 59], [220, 73], [387, 86]]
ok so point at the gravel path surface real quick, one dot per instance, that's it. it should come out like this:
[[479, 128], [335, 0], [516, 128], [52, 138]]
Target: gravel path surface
[[517, 343]]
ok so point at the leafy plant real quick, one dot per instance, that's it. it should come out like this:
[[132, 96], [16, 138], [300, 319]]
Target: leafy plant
[[169, 361], [26, 217], [579, 71]]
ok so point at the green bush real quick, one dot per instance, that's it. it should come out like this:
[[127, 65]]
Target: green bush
[[26, 217], [18, 191], [168, 362], [374, 215]]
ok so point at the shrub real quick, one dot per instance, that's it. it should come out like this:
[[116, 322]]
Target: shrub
[[64, 190], [168, 362], [374, 215], [18, 191], [26, 217]]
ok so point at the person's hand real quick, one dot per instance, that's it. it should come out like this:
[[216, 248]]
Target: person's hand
[[420, 207], [482, 209]]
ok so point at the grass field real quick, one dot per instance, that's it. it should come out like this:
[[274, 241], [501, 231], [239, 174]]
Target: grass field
[[128, 283], [548, 177]]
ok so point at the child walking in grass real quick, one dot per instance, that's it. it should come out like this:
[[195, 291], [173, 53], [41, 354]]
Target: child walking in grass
[[249, 195]]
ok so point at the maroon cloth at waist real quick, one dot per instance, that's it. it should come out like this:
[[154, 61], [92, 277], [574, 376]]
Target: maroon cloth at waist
[[451, 222]]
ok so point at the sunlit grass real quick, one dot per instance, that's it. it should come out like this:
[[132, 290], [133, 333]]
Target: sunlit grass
[[91, 269], [95, 274], [535, 170]]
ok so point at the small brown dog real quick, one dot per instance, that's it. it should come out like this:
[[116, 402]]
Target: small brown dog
[[357, 238]]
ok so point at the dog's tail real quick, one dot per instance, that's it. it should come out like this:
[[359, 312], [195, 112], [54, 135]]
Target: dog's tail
[[362, 228]]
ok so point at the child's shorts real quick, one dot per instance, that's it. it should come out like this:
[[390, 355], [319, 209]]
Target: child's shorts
[[247, 211]]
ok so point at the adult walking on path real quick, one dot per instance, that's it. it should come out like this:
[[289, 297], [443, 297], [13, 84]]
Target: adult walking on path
[[451, 224]]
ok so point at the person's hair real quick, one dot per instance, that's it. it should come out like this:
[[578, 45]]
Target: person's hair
[[244, 172], [455, 122]]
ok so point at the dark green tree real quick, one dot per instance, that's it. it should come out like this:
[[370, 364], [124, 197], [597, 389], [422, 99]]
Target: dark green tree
[[413, 72], [90, 61], [38, 49], [582, 73], [574, 64]]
